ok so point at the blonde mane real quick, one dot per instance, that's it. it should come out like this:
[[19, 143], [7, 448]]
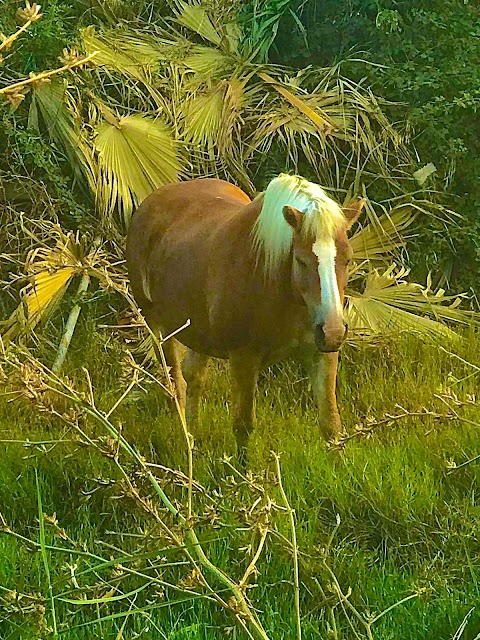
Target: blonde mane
[[273, 236]]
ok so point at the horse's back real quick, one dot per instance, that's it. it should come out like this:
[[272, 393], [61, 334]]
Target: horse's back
[[180, 204]]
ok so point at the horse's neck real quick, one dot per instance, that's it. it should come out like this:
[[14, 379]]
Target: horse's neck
[[279, 288]]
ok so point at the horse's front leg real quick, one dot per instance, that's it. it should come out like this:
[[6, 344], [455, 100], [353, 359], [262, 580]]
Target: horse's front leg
[[322, 372], [194, 369], [244, 368]]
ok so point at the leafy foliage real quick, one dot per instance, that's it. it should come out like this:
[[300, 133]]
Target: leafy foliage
[[423, 56], [195, 96]]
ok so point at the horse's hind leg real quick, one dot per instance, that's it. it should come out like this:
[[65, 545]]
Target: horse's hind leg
[[244, 367], [195, 372], [173, 356]]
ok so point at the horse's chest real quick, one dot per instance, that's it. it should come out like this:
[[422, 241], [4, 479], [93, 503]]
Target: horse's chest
[[292, 340]]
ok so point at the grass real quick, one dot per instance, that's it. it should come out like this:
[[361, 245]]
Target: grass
[[408, 520]]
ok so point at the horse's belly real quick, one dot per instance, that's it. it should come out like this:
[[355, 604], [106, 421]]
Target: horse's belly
[[173, 306]]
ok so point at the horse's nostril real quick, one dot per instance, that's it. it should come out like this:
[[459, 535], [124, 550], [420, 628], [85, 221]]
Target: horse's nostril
[[330, 339], [319, 331]]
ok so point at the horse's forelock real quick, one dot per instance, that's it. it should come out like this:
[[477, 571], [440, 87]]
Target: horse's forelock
[[273, 236]]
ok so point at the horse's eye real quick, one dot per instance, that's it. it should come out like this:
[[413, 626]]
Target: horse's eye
[[301, 263]]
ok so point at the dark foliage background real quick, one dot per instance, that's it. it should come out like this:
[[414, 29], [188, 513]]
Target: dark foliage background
[[425, 58]]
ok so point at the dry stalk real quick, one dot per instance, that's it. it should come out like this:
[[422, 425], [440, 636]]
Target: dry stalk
[[13, 92], [296, 573], [47, 382], [31, 14], [344, 598], [366, 429], [252, 567]]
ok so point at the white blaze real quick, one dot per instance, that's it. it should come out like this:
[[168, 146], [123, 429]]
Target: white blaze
[[325, 251]]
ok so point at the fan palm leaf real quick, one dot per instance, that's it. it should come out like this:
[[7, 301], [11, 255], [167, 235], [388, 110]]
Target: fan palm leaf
[[390, 304], [39, 298], [376, 241], [210, 117], [136, 155], [207, 62], [51, 271], [195, 17], [62, 121], [136, 57]]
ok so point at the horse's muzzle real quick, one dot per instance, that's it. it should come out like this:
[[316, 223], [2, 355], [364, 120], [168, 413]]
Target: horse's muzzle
[[330, 339]]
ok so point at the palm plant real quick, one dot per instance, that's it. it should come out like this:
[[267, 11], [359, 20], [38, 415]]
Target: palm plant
[[195, 96]]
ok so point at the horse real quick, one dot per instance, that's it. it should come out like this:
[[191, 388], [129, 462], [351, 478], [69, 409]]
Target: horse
[[259, 280]]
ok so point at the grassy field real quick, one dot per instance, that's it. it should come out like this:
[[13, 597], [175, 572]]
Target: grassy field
[[388, 519]]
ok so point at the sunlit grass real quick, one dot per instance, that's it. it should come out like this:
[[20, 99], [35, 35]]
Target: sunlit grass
[[407, 525]]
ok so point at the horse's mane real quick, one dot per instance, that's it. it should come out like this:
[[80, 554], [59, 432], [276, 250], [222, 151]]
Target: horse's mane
[[273, 236]]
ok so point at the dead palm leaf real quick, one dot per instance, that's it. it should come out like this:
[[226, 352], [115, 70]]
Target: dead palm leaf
[[210, 117], [319, 119], [391, 304], [136, 57], [208, 62], [379, 240], [194, 16], [39, 298], [51, 271]]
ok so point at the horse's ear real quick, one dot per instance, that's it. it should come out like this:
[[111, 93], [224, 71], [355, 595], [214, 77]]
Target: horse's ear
[[293, 217], [352, 210]]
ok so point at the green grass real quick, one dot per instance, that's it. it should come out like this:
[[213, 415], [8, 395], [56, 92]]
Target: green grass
[[406, 525]]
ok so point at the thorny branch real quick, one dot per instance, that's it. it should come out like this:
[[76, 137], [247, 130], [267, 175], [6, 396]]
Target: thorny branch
[[370, 426], [42, 385]]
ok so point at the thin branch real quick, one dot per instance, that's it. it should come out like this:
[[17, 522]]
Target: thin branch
[[253, 564], [393, 606], [45, 75], [34, 16], [291, 515]]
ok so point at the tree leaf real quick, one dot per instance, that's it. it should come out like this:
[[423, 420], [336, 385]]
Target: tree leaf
[[196, 18], [390, 304]]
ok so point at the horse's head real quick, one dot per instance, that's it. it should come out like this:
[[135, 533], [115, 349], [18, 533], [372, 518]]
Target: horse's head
[[320, 275]]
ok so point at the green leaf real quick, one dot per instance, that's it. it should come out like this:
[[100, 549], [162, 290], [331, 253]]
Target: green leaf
[[63, 124], [196, 18], [421, 175]]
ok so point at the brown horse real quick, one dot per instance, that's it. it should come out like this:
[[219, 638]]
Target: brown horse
[[259, 281]]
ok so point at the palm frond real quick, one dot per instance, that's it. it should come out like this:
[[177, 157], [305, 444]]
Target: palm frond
[[207, 62], [211, 119], [136, 155], [127, 52], [319, 119], [195, 17], [63, 123], [391, 304], [51, 271], [39, 298], [379, 240], [134, 56]]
